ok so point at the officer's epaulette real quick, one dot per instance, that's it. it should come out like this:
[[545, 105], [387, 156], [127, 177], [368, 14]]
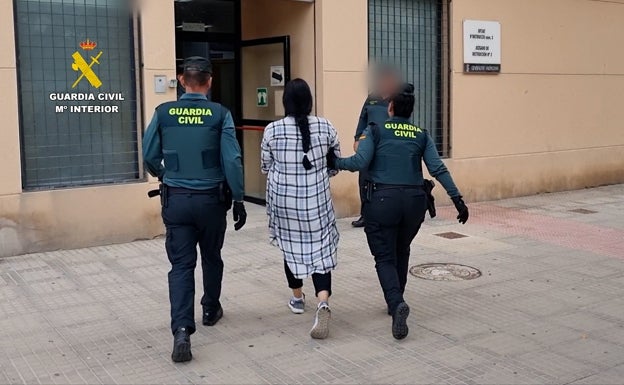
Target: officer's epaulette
[[372, 100]]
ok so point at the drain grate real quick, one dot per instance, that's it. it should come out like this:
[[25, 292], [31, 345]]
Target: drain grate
[[445, 272], [451, 235], [583, 211]]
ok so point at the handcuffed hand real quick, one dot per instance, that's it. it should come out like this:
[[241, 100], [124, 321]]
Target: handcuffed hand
[[462, 209], [240, 215]]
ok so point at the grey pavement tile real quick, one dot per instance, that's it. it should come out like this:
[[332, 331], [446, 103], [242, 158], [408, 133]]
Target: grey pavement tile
[[40, 274], [582, 321], [555, 365], [613, 309], [598, 353], [53, 286], [607, 288], [595, 270], [545, 332], [611, 376], [512, 374], [457, 357], [504, 344], [540, 305], [614, 335], [574, 294]]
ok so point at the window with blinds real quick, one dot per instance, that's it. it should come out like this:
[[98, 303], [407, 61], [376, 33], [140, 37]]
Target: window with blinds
[[77, 92], [412, 35]]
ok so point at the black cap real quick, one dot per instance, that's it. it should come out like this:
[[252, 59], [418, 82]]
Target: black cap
[[197, 63]]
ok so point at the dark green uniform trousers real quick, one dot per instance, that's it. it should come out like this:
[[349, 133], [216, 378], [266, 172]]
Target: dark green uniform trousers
[[193, 217], [393, 217]]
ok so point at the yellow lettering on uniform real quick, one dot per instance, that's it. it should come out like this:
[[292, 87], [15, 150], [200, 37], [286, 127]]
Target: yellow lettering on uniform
[[190, 112], [404, 134], [190, 120]]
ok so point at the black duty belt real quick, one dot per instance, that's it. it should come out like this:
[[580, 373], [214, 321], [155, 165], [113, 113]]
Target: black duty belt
[[182, 190], [381, 186]]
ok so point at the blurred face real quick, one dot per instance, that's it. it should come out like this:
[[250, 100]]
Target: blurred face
[[388, 85]]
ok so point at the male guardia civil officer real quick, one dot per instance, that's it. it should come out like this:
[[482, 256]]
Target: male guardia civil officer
[[374, 110], [197, 141]]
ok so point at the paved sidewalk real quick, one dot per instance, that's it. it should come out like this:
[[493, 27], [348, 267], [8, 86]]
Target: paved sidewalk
[[548, 309]]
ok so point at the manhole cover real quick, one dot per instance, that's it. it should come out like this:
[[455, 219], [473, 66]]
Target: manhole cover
[[444, 272], [583, 211], [451, 235]]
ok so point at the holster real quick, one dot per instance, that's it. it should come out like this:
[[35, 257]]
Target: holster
[[368, 191], [225, 195], [428, 187], [164, 195]]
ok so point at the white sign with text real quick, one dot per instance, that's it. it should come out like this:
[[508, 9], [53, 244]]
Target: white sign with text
[[482, 46]]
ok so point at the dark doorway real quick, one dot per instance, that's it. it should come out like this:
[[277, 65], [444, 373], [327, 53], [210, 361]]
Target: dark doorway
[[241, 70], [210, 28]]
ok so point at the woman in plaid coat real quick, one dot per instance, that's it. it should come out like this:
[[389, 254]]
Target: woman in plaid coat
[[301, 215]]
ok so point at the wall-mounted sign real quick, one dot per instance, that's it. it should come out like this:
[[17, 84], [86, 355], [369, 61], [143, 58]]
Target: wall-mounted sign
[[262, 97], [277, 76], [482, 46]]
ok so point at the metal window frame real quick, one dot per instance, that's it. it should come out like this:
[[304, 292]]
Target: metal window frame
[[137, 56], [443, 97]]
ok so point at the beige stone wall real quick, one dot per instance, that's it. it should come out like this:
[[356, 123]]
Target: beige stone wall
[[342, 60], [10, 172], [553, 119]]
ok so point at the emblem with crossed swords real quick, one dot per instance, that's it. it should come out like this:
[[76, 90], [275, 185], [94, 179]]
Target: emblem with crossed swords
[[80, 64]]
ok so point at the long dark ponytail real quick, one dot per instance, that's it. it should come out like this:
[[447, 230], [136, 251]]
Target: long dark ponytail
[[298, 104]]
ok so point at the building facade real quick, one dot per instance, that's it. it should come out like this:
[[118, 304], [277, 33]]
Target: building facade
[[82, 78]]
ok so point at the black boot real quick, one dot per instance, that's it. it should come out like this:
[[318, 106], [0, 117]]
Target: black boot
[[181, 346], [399, 321], [358, 223], [210, 318]]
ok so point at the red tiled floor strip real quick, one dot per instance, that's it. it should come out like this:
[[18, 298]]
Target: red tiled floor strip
[[562, 232]]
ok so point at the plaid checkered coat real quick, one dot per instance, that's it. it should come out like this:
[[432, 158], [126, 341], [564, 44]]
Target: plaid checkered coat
[[301, 215]]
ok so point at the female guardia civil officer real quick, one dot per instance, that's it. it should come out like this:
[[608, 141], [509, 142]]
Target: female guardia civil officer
[[396, 202]]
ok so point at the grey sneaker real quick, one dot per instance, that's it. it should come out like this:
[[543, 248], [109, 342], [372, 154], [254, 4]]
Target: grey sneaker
[[320, 329], [297, 305]]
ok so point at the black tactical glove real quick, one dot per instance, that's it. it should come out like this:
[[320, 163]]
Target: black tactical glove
[[462, 209], [429, 185], [240, 215], [331, 159]]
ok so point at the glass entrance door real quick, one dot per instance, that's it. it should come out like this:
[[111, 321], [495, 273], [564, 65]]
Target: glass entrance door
[[265, 69]]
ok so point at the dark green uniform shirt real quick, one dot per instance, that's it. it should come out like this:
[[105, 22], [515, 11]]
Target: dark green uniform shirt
[[393, 154], [230, 168], [375, 110]]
